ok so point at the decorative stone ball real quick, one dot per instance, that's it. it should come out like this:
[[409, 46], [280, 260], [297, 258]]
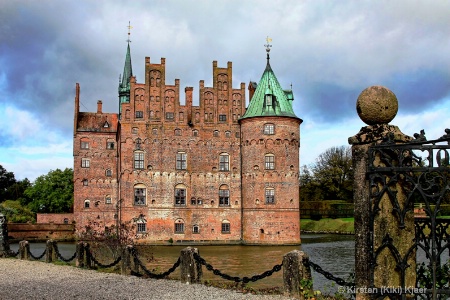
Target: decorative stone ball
[[377, 105]]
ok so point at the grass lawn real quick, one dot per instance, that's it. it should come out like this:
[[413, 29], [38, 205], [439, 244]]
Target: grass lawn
[[333, 225]]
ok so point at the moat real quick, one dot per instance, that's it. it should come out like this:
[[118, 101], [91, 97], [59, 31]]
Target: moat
[[334, 253]]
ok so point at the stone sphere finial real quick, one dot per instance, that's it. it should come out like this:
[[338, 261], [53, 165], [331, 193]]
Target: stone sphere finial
[[377, 105]]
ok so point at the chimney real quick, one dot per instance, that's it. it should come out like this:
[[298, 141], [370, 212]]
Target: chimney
[[99, 106]]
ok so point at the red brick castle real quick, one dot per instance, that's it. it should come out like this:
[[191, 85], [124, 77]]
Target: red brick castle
[[214, 173]]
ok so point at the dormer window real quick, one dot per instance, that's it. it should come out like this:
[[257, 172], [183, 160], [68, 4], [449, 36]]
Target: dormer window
[[269, 100]]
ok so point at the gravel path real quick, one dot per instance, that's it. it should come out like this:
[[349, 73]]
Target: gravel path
[[38, 280]]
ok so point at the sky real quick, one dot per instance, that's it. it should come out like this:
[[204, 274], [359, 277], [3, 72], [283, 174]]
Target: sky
[[330, 51]]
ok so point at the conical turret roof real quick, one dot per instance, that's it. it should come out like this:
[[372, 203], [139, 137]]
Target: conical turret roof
[[281, 100]]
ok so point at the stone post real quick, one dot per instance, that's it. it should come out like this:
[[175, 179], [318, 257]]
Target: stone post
[[88, 263], [125, 266], [296, 275], [24, 250], [79, 259], [377, 106], [191, 270], [50, 252], [4, 244]]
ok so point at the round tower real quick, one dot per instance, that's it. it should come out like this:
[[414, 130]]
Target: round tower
[[270, 139]]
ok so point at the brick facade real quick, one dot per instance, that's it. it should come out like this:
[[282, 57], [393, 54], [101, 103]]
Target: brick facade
[[184, 172]]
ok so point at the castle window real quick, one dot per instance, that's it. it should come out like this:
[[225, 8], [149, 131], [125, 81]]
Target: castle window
[[227, 134], [216, 133], [85, 182], [181, 116], [269, 100], [141, 224], [177, 131], [270, 195], [85, 163], [139, 114], [269, 129], [169, 115], [225, 226], [66, 221], [110, 145], [141, 227], [181, 161], [139, 194], [269, 160], [108, 173], [195, 132], [224, 195], [199, 201], [224, 162], [87, 203], [193, 201], [180, 195], [222, 118], [108, 199], [154, 131], [139, 160], [195, 229], [134, 130], [179, 226], [84, 145], [138, 143]]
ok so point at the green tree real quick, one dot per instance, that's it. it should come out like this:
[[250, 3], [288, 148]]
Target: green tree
[[52, 193], [15, 212], [7, 179], [330, 177]]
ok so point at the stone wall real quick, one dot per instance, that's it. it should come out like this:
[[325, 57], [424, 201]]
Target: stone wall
[[24, 231], [54, 218]]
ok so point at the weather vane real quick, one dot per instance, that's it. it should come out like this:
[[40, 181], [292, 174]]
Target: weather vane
[[129, 28], [268, 45]]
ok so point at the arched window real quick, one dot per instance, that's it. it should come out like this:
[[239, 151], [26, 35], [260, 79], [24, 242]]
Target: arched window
[[180, 195], [269, 161], [195, 229], [66, 221], [270, 195], [140, 194], [224, 195], [108, 199], [179, 226], [139, 160], [85, 182], [87, 203], [224, 162], [216, 133], [108, 173], [177, 131], [226, 226]]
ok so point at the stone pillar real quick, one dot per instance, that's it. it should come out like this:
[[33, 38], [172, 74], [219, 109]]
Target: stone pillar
[[377, 106], [79, 259], [24, 250], [125, 266], [50, 252], [296, 275], [191, 270], [4, 244]]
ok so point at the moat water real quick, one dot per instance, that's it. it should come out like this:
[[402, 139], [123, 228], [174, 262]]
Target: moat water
[[334, 253]]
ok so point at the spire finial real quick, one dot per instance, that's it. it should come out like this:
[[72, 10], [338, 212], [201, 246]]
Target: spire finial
[[129, 29], [268, 46]]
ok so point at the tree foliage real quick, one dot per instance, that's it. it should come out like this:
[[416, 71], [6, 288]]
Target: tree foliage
[[52, 193], [330, 177], [16, 213], [7, 179]]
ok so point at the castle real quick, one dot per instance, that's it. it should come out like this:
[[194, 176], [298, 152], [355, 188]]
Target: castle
[[214, 173]]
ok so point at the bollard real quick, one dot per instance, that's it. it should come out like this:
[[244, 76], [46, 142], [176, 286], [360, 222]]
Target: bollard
[[88, 263], [296, 276], [191, 270], [24, 250], [134, 261], [79, 260], [4, 244], [50, 252], [125, 266]]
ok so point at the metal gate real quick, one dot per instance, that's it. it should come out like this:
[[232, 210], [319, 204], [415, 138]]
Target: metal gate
[[421, 170]]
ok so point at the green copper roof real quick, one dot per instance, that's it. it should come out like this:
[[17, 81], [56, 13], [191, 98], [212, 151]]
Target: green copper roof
[[269, 98], [124, 84]]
